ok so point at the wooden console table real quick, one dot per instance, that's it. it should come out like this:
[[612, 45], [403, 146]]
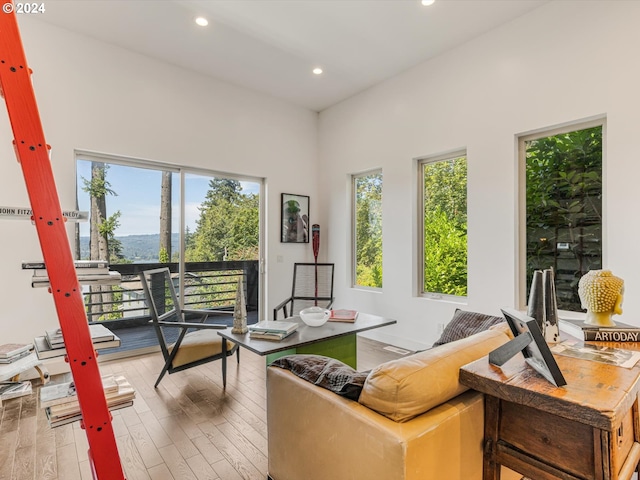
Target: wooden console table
[[586, 430]]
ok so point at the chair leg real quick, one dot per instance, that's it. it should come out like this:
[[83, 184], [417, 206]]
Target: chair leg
[[238, 355], [164, 370]]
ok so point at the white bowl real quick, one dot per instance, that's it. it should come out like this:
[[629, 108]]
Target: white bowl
[[315, 316]]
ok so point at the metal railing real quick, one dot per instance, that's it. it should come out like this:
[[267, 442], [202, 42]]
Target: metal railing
[[207, 285]]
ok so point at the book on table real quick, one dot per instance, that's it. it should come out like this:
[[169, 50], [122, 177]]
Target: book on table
[[274, 326], [343, 315], [15, 358], [620, 332], [275, 336], [275, 330]]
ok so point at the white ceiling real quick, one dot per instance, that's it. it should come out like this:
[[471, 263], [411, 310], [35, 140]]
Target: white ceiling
[[272, 45]]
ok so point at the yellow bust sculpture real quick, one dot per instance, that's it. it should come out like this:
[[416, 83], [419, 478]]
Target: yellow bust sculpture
[[601, 294]]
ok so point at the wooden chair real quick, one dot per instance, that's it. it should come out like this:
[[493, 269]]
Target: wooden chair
[[304, 293], [197, 342]]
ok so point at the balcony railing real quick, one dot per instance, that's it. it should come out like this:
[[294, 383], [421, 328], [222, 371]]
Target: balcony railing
[[207, 285]]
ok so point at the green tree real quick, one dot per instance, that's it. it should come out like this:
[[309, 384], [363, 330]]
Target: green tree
[[369, 230], [445, 226], [564, 208], [228, 227]]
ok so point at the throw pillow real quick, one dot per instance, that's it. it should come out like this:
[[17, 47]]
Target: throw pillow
[[325, 372], [464, 324]]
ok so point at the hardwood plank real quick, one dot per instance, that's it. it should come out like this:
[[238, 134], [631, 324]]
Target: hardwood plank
[[201, 468], [177, 465], [132, 462], [188, 427]]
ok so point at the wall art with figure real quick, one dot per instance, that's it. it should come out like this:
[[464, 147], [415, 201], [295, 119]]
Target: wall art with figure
[[295, 218]]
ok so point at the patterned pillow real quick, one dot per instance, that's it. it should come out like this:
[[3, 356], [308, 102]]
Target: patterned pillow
[[325, 372], [464, 324]]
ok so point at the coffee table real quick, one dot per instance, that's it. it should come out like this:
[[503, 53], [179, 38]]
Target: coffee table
[[333, 339]]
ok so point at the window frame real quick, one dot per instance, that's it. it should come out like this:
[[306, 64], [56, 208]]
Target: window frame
[[521, 184], [420, 163]]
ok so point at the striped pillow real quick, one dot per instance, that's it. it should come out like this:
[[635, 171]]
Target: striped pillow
[[464, 324]]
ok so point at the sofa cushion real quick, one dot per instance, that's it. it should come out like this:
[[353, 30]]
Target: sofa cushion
[[325, 372], [404, 388], [464, 324]]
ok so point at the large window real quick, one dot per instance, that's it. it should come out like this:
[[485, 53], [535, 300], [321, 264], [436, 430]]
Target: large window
[[367, 195], [562, 171], [443, 187], [146, 213]]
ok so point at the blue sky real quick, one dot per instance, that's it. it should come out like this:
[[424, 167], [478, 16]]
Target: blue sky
[[138, 198]]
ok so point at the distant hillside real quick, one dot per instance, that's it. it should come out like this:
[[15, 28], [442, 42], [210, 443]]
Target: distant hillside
[[137, 248]]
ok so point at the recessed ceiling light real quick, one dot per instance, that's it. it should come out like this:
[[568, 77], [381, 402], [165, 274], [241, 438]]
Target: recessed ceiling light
[[426, 3], [317, 70], [203, 22]]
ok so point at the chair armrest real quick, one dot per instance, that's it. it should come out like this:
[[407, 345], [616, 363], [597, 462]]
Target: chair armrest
[[214, 326], [281, 307], [193, 311]]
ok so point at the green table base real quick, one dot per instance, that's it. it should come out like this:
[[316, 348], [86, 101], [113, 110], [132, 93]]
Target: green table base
[[341, 348]]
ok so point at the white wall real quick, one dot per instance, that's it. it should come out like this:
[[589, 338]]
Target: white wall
[[97, 97], [563, 62]]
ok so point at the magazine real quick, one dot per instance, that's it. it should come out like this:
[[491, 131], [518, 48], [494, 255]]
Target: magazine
[[609, 355]]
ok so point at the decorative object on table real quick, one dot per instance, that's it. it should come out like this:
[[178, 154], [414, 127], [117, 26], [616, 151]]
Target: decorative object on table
[[528, 339], [315, 316], [295, 218], [240, 310], [551, 332], [601, 294], [315, 233], [543, 305]]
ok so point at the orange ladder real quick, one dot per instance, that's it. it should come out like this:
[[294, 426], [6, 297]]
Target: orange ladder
[[33, 155]]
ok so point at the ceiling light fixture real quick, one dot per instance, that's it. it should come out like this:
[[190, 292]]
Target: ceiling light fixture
[[317, 71], [203, 22], [426, 3]]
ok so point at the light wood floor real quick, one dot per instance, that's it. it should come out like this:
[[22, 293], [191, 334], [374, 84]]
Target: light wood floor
[[187, 428]]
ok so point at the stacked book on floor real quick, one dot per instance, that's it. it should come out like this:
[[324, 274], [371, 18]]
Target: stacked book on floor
[[89, 272], [621, 332], [61, 405], [272, 330], [9, 389], [52, 343]]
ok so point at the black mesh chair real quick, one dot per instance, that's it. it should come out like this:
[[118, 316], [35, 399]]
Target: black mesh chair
[[304, 293], [197, 342]]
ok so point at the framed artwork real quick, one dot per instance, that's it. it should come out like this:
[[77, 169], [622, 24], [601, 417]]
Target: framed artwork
[[529, 340], [295, 218]]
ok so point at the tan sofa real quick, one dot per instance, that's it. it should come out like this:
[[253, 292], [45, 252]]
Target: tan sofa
[[413, 421]]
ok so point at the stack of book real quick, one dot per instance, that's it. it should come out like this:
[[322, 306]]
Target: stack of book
[[11, 389], [272, 330], [52, 343], [621, 332], [10, 352], [61, 402], [90, 272]]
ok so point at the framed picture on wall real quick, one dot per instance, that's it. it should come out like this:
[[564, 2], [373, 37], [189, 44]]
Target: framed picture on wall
[[295, 218]]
